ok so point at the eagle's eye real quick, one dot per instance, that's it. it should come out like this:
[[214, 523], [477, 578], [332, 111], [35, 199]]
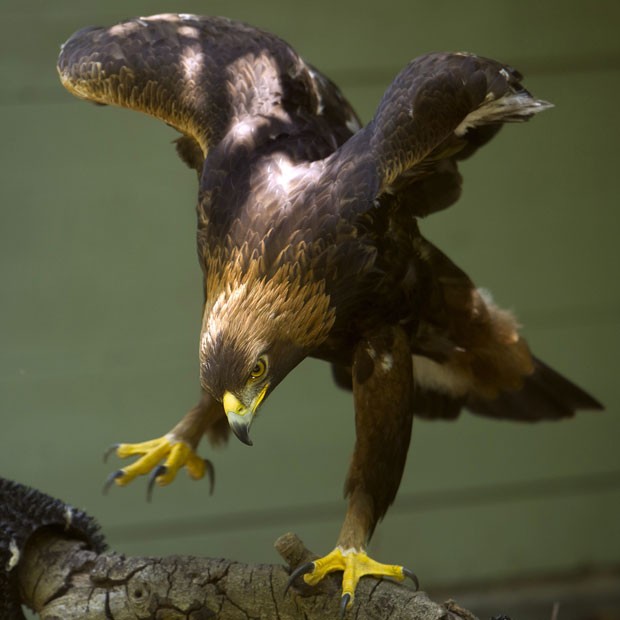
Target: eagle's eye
[[260, 368]]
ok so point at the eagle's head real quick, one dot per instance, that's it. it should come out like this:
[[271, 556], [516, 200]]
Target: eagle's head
[[255, 330]]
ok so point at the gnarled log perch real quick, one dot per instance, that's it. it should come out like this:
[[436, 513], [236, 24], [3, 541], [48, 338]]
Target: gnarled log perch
[[61, 579], [53, 559]]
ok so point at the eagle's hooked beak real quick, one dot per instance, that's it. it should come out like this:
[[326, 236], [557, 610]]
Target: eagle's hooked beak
[[240, 416]]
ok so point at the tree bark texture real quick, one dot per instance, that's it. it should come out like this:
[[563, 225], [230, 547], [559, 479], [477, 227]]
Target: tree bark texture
[[54, 559], [62, 580]]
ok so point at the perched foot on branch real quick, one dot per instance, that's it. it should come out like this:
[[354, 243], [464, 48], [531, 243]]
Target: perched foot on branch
[[355, 565]]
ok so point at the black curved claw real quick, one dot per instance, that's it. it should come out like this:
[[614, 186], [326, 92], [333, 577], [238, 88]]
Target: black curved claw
[[160, 470], [344, 603], [412, 576], [211, 474], [119, 473], [300, 570], [109, 451]]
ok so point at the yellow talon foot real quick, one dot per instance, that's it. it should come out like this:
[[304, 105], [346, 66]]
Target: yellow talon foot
[[177, 454], [355, 565]]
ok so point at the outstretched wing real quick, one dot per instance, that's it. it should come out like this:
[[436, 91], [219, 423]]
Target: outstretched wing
[[439, 109], [204, 76], [467, 353]]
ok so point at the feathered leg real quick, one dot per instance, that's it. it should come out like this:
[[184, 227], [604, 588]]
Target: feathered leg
[[382, 391]]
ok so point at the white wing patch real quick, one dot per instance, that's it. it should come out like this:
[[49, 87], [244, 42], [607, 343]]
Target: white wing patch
[[510, 107], [192, 62], [386, 362], [317, 91], [15, 555], [68, 517], [430, 375], [285, 176], [353, 124]]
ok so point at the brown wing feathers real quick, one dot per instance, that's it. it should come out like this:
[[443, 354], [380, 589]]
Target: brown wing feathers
[[206, 76], [442, 106], [203, 76], [159, 67], [469, 353]]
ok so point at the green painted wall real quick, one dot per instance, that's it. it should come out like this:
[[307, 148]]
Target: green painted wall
[[100, 298]]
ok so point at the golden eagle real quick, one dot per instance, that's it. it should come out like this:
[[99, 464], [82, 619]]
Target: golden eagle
[[309, 243]]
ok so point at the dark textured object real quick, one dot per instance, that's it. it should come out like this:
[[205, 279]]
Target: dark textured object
[[23, 511], [309, 243]]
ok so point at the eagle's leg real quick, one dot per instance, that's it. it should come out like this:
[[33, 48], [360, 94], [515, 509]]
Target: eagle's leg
[[176, 448], [383, 392]]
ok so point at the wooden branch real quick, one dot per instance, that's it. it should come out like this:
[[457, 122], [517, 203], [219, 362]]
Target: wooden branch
[[61, 579]]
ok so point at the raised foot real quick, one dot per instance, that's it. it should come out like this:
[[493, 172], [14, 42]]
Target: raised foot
[[355, 565], [174, 453]]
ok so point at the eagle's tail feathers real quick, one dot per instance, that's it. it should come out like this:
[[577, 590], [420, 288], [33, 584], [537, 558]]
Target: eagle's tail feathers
[[545, 395]]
